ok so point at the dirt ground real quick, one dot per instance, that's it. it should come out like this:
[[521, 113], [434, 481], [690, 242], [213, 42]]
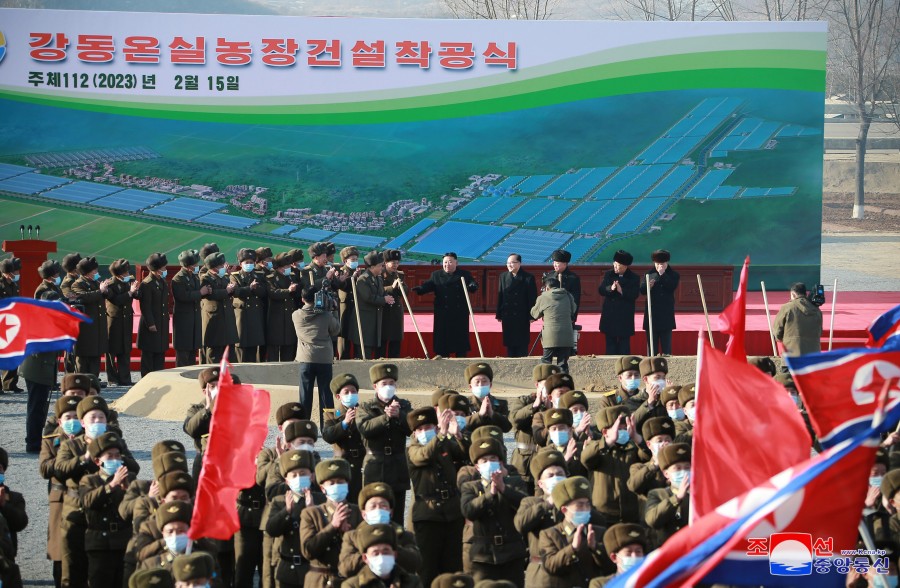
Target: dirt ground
[[882, 213]]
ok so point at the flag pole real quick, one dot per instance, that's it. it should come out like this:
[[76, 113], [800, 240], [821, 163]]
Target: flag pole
[[413, 317], [462, 280], [358, 320], [649, 314], [833, 304], [705, 311], [769, 320]]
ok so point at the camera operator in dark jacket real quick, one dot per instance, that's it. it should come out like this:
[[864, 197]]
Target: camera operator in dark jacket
[[316, 324]]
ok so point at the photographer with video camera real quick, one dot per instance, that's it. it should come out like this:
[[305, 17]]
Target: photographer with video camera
[[316, 324], [556, 306], [798, 324]]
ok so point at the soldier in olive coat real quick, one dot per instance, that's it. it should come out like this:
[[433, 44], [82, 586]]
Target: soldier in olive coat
[[348, 271], [516, 295], [522, 410], [609, 460], [14, 517], [92, 337], [10, 270], [392, 314], [490, 503], [572, 550], [341, 431], [219, 329], [70, 269], [187, 335], [39, 369], [322, 526], [383, 424], [121, 290], [371, 300], [250, 293], [281, 338], [153, 332], [435, 455], [538, 512]]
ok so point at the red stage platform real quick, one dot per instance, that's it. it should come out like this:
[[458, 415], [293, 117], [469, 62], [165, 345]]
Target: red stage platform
[[855, 311]]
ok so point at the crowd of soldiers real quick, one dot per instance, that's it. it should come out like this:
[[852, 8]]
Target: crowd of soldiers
[[595, 482]]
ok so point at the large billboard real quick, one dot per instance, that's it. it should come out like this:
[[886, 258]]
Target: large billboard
[[125, 133]]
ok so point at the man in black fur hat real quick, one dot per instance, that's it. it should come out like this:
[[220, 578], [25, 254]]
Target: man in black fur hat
[[620, 288]]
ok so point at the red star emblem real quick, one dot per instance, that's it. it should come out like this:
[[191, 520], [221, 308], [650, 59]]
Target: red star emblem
[[871, 378], [5, 327]]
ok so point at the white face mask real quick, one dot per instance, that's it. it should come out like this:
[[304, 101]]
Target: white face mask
[[387, 392]]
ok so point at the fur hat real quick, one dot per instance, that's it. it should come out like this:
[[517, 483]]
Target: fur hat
[[421, 416], [375, 489], [687, 393], [392, 255], [70, 261], [208, 249], [628, 363], [172, 512], [348, 252], [296, 255], [10, 265], [282, 260], [623, 257], [660, 256], [246, 254], [105, 442], [651, 365], [166, 446], [475, 369], [545, 458], [382, 371], [119, 267], [318, 248], [214, 260], [166, 463], [175, 481], [486, 447], [672, 454], [369, 535], [196, 566], [301, 428], [65, 404], [189, 257], [157, 261], [657, 426], [622, 534], [373, 258], [573, 397], [561, 255], [291, 410], [50, 268], [341, 380], [295, 460], [455, 402], [330, 469], [87, 265], [263, 253], [560, 380], [90, 403], [557, 416], [75, 382], [571, 489], [542, 371]]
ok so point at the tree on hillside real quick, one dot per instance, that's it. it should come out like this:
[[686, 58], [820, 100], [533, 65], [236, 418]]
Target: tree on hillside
[[865, 40], [502, 9]]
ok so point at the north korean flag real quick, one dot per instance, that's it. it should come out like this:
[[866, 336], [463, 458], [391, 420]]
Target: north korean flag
[[885, 330], [29, 326], [840, 388], [821, 497]]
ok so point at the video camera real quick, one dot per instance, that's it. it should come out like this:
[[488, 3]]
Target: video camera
[[324, 299], [549, 276], [817, 295]]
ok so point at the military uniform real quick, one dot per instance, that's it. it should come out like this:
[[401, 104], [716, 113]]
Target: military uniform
[[187, 336], [320, 541], [399, 578], [436, 517], [8, 289], [563, 565], [401, 575], [342, 283], [40, 371], [346, 441], [516, 295], [392, 321], [106, 534], [249, 309], [351, 563], [499, 416], [385, 441], [15, 518], [497, 551], [92, 337], [370, 293], [451, 312], [154, 294], [610, 467], [281, 338], [120, 326], [218, 322], [196, 425]]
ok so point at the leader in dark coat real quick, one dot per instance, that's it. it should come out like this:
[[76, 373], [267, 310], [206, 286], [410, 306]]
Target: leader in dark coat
[[451, 313], [516, 296]]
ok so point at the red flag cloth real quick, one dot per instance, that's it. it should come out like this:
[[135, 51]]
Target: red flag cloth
[[29, 326], [743, 417], [735, 543], [237, 432], [733, 318]]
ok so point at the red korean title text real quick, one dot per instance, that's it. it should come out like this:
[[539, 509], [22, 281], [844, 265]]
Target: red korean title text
[[275, 52]]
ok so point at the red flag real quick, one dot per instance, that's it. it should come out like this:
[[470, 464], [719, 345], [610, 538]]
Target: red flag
[[735, 543], [743, 417], [733, 318], [29, 326], [840, 388], [239, 426]]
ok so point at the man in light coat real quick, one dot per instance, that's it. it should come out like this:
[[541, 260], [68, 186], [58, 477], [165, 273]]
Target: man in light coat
[[557, 307], [798, 324]]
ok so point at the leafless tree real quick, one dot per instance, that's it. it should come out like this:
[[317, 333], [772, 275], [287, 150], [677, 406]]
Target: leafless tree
[[866, 39], [502, 9]]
